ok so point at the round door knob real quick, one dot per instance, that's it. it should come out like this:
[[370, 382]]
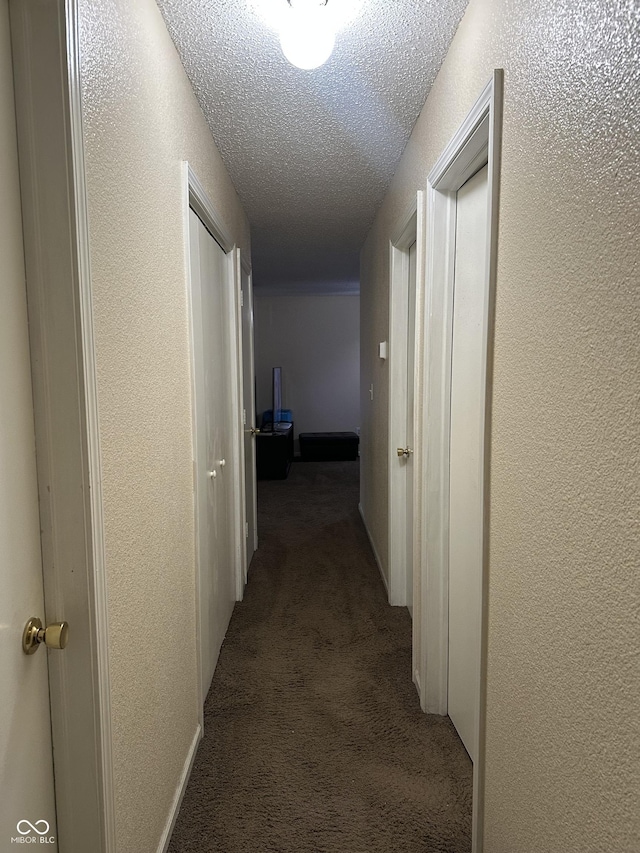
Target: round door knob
[[254, 431], [404, 451], [223, 462], [212, 474], [54, 636]]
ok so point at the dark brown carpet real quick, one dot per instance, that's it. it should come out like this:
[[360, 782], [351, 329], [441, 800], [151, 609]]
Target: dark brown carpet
[[314, 739]]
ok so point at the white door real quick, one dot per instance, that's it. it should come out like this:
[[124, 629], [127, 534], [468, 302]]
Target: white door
[[466, 460], [411, 344], [27, 808], [210, 308], [249, 406]]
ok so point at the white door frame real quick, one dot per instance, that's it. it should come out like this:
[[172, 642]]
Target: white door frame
[[408, 230], [237, 433], [250, 414], [478, 141], [196, 198], [56, 234]]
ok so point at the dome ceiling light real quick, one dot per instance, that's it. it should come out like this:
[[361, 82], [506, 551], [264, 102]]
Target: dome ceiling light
[[307, 39], [307, 28]]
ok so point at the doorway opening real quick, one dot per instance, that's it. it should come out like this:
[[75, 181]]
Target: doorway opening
[[307, 363]]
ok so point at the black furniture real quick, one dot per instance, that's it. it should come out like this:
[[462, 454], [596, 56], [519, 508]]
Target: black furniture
[[274, 451], [328, 446]]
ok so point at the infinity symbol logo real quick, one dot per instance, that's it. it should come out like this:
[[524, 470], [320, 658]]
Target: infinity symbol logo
[[32, 827]]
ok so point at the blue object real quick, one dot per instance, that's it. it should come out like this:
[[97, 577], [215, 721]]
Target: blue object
[[285, 416]]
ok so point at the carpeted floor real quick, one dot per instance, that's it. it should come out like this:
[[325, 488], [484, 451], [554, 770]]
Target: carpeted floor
[[314, 739]]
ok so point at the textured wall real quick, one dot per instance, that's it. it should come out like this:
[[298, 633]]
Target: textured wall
[[316, 341], [563, 739], [141, 121]]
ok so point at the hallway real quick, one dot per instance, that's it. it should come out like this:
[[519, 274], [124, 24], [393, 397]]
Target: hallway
[[314, 739], [125, 515]]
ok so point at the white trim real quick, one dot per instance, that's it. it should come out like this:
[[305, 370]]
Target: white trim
[[247, 306], [201, 204], [404, 236], [186, 173], [416, 681], [478, 141], [494, 163], [94, 461], [434, 446], [235, 329], [373, 548], [165, 838], [449, 173], [419, 496]]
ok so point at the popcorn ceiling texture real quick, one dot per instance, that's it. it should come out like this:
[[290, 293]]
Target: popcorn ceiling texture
[[141, 121], [311, 153], [563, 730]]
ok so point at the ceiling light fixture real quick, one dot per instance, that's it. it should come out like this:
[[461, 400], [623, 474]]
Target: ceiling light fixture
[[307, 28], [306, 37]]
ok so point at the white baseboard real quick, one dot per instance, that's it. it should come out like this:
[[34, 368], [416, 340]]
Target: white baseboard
[[179, 794], [416, 681], [373, 548]]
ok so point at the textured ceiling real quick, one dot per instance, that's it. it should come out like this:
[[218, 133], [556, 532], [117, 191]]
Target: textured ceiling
[[311, 153]]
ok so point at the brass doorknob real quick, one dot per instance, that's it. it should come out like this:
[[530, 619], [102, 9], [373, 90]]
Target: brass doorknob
[[404, 451], [54, 636]]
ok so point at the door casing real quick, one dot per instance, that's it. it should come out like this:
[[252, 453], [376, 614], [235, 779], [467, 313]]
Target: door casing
[[249, 409], [466, 459], [56, 235], [477, 142], [409, 229], [405, 235]]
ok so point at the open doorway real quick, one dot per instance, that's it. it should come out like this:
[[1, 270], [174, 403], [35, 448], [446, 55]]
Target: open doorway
[[314, 338]]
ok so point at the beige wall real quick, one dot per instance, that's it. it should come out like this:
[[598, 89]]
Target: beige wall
[[563, 739], [315, 338], [141, 120]]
